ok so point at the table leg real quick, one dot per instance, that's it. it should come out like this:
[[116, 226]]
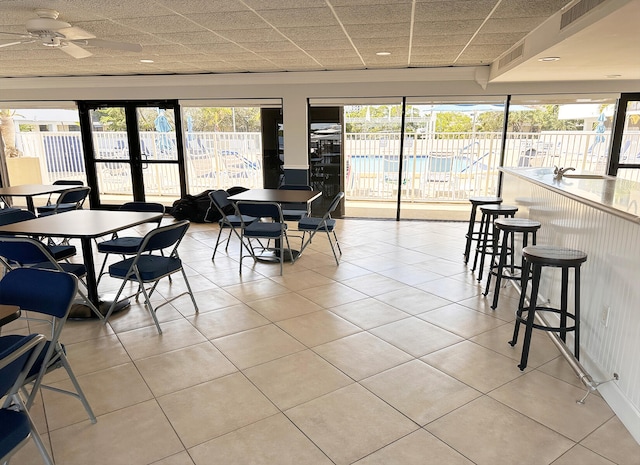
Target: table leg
[[30, 206], [102, 303]]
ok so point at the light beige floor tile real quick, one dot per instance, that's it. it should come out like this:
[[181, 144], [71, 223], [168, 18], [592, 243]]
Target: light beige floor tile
[[361, 355], [214, 408], [369, 313], [461, 320], [274, 440], [332, 295], [559, 368], [255, 290], [182, 368], [451, 289], [542, 349], [442, 266], [317, 328], [418, 448], [83, 330], [103, 391], [92, 355], [474, 365], [415, 336], [297, 378], [136, 316], [227, 321], [373, 285], [258, 345], [413, 300], [342, 272], [373, 263], [302, 279], [283, 306], [135, 435], [410, 275], [213, 299], [179, 459], [553, 403], [490, 433], [350, 423], [581, 455], [420, 391], [146, 342], [613, 441], [505, 310]]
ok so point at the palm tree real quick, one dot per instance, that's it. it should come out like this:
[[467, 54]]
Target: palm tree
[[8, 133]]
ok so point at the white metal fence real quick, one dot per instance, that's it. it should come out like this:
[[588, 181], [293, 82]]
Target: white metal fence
[[436, 167]]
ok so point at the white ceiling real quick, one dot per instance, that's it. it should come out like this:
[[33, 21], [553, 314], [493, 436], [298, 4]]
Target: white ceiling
[[259, 36]]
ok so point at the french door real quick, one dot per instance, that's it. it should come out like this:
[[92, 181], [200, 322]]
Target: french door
[[133, 151]]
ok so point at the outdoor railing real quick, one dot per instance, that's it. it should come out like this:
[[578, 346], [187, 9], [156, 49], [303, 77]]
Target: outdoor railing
[[435, 167]]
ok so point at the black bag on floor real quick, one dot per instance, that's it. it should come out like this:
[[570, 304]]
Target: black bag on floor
[[196, 208]]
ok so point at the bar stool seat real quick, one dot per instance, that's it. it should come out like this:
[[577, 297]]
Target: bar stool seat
[[538, 257], [472, 234], [509, 227], [488, 240]]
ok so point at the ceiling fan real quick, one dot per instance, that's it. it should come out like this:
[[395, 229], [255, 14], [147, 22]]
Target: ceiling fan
[[51, 32]]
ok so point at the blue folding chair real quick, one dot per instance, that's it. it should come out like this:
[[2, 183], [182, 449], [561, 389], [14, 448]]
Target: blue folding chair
[[326, 224], [48, 296], [276, 229], [17, 356], [230, 218], [146, 267], [71, 199], [59, 252], [127, 245], [295, 211], [18, 252]]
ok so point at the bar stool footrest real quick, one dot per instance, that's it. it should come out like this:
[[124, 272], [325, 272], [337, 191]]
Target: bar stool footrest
[[570, 316]]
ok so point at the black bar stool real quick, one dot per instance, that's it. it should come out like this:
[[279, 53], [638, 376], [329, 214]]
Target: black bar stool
[[488, 240], [539, 256], [509, 228], [472, 234]]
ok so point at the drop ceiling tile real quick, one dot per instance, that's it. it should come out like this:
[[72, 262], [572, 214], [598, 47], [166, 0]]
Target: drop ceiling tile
[[374, 14], [300, 17], [316, 33], [528, 9], [283, 46], [509, 38], [108, 29], [258, 34], [164, 24], [448, 41], [387, 43], [203, 6], [225, 21], [440, 28], [336, 44], [364, 31], [511, 25], [454, 10], [187, 38]]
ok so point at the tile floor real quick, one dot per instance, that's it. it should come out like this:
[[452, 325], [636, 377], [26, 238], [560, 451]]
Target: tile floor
[[393, 357]]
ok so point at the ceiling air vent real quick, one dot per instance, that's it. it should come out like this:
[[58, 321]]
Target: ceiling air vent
[[577, 11], [512, 55]]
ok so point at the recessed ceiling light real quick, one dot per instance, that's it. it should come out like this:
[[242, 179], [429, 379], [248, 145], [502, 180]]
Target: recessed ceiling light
[[146, 61], [549, 59], [383, 54], [613, 76]]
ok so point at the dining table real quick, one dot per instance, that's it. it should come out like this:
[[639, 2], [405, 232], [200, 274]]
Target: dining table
[[29, 191], [84, 225], [279, 196]]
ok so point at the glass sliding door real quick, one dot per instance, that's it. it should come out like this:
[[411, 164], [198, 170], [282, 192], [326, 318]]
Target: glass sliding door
[[372, 154], [135, 152], [223, 146]]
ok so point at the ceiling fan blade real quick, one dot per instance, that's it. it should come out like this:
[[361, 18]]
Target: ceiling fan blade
[[114, 45], [9, 44], [75, 33], [76, 52]]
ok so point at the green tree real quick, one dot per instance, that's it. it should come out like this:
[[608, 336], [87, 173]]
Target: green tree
[[453, 121]]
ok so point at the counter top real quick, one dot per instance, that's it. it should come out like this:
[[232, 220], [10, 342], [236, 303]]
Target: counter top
[[619, 197]]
